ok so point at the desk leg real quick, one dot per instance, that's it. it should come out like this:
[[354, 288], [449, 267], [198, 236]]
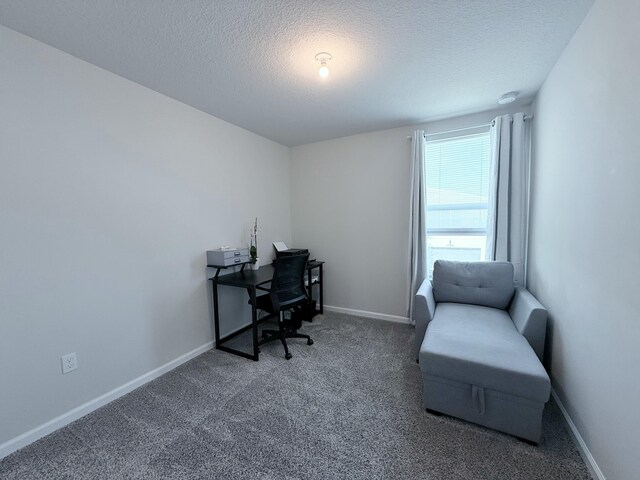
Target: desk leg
[[321, 288], [216, 313], [254, 322]]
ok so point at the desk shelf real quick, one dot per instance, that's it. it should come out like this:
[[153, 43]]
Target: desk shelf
[[224, 267], [310, 283]]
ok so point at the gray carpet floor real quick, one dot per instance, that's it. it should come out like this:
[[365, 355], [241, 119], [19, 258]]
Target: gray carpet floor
[[346, 407]]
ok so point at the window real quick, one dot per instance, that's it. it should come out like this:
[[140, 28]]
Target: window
[[457, 179]]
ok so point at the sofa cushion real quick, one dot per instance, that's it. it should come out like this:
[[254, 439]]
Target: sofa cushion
[[477, 283], [481, 346]]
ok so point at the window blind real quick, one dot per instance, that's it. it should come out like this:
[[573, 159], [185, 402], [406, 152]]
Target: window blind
[[457, 180]]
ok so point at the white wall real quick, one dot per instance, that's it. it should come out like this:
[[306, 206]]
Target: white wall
[[110, 194], [350, 199], [585, 231]]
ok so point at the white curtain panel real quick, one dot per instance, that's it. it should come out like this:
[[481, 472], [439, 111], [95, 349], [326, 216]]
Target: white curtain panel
[[417, 220], [508, 216]]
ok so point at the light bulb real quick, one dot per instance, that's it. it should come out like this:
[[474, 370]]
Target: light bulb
[[323, 58]]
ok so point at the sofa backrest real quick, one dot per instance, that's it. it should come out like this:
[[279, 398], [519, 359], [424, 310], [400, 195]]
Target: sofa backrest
[[479, 283]]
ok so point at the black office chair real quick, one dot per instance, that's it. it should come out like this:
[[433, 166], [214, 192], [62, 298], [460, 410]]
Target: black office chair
[[287, 292]]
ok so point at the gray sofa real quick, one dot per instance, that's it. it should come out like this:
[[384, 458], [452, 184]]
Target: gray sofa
[[479, 342]]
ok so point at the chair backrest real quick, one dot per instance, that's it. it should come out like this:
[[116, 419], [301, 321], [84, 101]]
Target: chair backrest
[[287, 284], [478, 283]]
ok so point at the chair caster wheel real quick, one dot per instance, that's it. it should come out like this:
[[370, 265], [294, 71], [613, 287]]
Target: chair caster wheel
[[309, 342], [288, 356]]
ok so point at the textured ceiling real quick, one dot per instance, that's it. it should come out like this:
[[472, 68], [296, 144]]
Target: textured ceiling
[[252, 63]]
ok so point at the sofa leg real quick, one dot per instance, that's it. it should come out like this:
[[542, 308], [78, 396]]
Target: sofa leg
[[433, 412], [528, 442]]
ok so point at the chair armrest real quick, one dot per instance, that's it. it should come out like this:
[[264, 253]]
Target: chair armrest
[[530, 318], [424, 308]]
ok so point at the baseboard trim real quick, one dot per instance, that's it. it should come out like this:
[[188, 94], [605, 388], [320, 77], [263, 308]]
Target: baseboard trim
[[60, 421], [363, 313], [593, 467]]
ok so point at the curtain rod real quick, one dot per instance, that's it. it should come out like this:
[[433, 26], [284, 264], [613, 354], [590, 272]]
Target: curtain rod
[[527, 117]]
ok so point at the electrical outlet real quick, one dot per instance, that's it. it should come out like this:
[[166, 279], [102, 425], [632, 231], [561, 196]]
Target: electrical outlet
[[69, 362]]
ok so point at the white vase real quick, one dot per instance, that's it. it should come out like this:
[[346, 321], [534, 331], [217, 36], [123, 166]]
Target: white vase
[[256, 265]]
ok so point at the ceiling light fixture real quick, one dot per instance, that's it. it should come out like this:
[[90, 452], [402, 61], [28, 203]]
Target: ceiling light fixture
[[508, 98], [323, 58]]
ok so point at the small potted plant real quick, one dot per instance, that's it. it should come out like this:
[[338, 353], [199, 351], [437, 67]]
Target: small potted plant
[[253, 249]]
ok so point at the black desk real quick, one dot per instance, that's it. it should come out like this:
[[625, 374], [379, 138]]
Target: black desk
[[249, 280]]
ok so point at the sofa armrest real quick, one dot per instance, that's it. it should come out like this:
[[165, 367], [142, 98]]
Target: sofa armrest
[[530, 318], [424, 308]]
